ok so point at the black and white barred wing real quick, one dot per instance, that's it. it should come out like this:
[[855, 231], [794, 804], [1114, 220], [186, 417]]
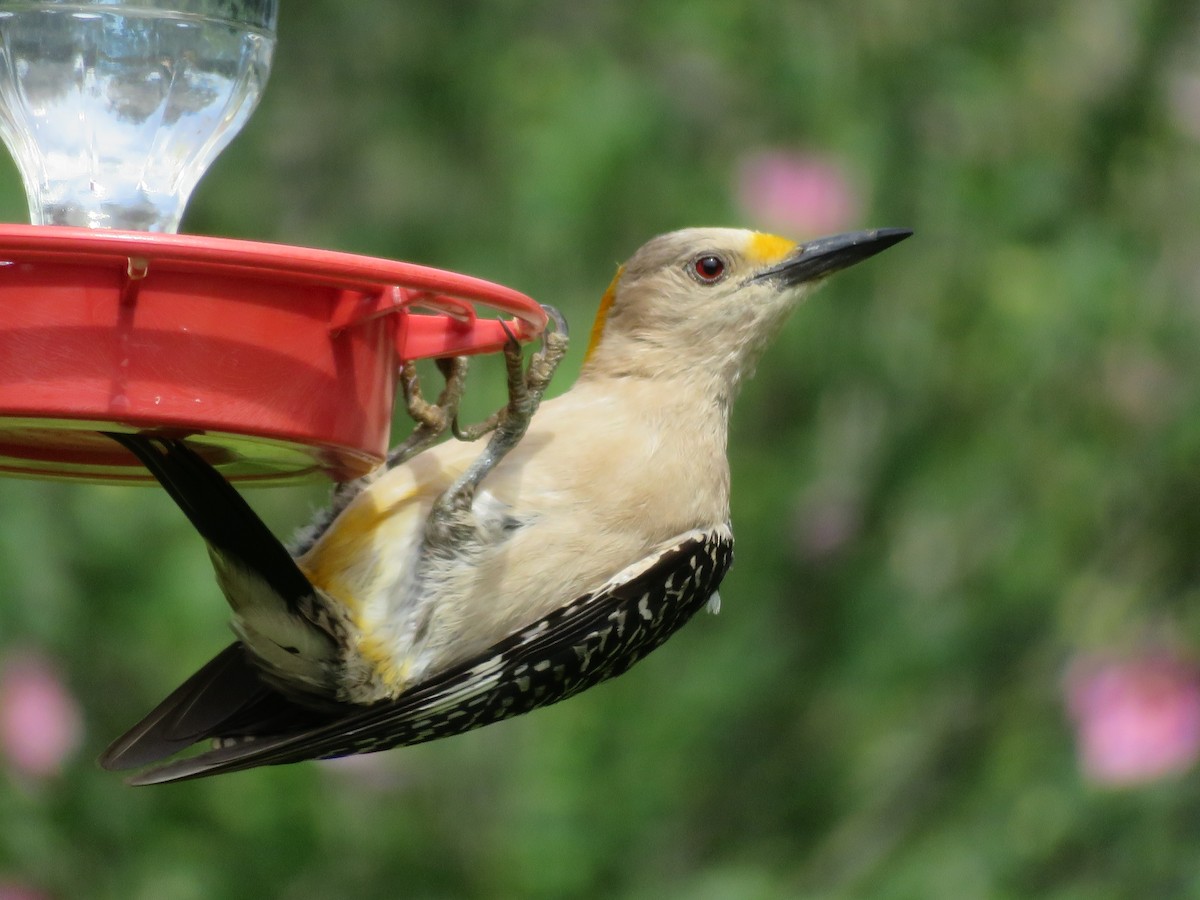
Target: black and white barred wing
[[594, 638]]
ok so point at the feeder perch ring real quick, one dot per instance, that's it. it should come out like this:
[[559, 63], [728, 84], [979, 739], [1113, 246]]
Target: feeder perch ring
[[278, 361]]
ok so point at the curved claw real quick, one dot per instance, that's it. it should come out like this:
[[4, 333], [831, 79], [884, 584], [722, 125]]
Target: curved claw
[[524, 387], [478, 430], [559, 320], [513, 345]]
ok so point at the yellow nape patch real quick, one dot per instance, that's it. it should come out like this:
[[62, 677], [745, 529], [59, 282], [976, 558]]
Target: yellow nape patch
[[606, 303], [767, 249]]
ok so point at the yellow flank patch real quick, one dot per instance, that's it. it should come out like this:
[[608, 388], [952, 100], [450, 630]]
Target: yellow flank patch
[[606, 303], [767, 249], [382, 665], [343, 546]]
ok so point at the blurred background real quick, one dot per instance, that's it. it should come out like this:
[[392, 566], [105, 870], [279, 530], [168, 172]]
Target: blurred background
[[958, 650]]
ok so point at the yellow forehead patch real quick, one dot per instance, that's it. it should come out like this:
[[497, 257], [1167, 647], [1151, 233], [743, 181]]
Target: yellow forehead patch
[[606, 303], [765, 249]]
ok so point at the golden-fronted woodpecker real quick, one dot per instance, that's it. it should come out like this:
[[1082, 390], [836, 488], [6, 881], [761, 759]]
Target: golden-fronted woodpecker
[[459, 587]]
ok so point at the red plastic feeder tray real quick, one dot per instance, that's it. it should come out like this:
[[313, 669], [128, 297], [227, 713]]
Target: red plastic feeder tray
[[279, 361]]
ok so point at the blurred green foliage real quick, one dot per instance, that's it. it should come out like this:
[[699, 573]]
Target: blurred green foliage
[[966, 463]]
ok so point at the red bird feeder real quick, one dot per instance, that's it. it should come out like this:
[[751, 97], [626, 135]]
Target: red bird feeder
[[278, 361]]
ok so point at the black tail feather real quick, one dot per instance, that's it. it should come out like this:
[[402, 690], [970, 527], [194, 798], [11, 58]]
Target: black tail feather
[[223, 518], [226, 698], [195, 710]]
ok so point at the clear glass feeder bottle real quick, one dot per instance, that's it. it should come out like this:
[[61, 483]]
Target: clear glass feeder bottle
[[113, 110]]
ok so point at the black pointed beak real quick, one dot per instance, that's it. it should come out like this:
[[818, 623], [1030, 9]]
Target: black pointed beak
[[824, 256]]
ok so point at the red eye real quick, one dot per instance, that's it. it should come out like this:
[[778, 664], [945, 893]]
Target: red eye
[[709, 267]]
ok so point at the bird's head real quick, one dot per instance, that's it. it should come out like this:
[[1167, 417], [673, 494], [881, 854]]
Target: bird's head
[[706, 301]]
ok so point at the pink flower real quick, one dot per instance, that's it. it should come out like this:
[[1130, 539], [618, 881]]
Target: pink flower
[[1183, 98], [40, 724], [796, 193], [1136, 721], [826, 525], [10, 890]]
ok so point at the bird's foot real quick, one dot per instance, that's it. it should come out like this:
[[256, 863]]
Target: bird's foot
[[433, 420], [526, 386]]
